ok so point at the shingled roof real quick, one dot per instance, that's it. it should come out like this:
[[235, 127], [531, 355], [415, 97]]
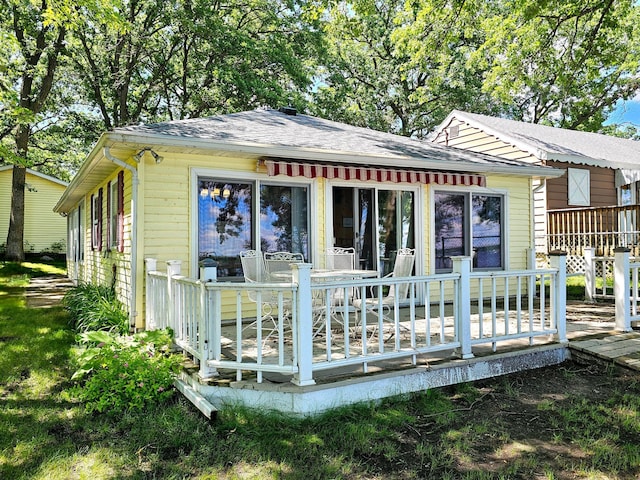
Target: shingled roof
[[304, 136], [269, 134], [551, 143]]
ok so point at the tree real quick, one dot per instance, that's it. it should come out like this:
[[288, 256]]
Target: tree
[[400, 66], [561, 62], [175, 59], [33, 42]]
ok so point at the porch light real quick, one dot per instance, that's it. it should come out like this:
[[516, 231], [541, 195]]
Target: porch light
[[138, 156]]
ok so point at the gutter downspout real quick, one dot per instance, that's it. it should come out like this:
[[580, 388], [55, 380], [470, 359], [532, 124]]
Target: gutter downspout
[[134, 234], [543, 184]]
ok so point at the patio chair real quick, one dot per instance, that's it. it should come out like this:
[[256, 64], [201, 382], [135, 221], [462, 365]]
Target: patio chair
[[403, 266], [280, 262], [254, 272], [340, 258]]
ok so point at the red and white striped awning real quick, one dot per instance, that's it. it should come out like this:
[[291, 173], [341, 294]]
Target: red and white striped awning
[[374, 174]]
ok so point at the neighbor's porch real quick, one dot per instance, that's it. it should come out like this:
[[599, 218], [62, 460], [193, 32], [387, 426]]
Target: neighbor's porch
[[602, 228]]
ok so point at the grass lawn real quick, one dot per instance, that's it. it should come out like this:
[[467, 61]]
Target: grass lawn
[[572, 421]]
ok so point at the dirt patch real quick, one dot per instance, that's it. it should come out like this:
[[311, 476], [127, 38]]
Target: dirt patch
[[571, 421]]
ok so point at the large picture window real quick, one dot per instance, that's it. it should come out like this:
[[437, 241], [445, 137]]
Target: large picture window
[[469, 224], [236, 215]]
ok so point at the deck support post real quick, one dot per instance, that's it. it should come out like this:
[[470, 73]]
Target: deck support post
[[558, 260], [589, 274], [304, 327], [462, 265], [621, 289]]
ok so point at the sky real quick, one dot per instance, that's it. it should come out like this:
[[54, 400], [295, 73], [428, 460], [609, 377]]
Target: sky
[[626, 112]]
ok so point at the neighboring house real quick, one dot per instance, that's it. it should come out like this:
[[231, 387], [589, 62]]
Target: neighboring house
[[276, 180], [586, 206], [44, 230]]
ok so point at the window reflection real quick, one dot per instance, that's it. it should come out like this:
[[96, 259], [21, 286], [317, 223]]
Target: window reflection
[[487, 231], [284, 219], [224, 223], [227, 222], [484, 242], [449, 228]]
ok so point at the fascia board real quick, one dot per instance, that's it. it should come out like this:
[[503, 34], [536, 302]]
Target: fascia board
[[594, 162]]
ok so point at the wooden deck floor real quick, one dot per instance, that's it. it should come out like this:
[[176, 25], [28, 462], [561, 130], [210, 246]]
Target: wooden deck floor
[[599, 341]]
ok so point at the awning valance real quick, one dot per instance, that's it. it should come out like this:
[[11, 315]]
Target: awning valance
[[374, 174]]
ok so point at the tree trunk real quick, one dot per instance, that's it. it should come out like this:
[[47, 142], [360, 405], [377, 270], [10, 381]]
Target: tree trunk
[[15, 237]]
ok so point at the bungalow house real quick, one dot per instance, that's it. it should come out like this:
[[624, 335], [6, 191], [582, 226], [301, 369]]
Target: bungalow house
[[595, 204], [175, 194], [44, 230]]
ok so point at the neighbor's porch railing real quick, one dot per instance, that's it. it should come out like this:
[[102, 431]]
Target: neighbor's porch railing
[[462, 310], [615, 278], [601, 228]]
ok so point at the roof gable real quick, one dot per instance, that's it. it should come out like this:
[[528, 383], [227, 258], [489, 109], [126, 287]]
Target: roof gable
[[551, 143], [37, 174]]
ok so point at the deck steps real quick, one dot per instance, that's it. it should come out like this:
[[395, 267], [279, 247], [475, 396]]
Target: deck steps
[[621, 349]]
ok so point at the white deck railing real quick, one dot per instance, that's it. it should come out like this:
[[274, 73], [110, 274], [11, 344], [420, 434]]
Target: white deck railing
[[306, 332]]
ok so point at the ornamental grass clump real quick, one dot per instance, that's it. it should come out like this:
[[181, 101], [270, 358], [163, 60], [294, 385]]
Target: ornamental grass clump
[[125, 373], [95, 308]]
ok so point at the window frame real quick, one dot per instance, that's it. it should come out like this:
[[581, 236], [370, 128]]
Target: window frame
[[468, 224], [115, 213], [96, 220], [257, 180]]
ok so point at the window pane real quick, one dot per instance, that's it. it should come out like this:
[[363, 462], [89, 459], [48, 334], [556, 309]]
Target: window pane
[[224, 223], [449, 228], [395, 225], [113, 214], [284, 219], [487, 231]]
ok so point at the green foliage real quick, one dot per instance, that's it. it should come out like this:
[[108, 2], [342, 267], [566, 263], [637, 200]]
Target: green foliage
[[123, 373], [95, 307]]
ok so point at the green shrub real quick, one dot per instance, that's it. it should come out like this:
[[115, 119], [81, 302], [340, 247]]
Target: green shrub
[[95, 307], [123, 373]]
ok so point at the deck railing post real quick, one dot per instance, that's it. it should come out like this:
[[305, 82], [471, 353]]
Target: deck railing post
[[205, 325], [304, 318], [558, 260], [621, 289], [462, 265], [589, 274], [173, 269], [151, 307]]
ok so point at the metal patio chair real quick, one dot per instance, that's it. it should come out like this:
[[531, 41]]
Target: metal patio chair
[[280, 262], [403, 266], [253, 269]]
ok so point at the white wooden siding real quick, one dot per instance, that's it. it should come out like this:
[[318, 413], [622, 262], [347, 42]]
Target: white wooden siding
[[43, 228]]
